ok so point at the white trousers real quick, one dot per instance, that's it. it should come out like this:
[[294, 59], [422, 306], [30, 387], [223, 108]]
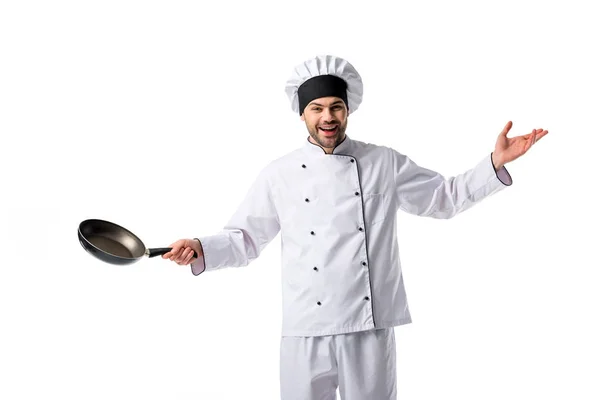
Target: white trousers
[[362, 364]]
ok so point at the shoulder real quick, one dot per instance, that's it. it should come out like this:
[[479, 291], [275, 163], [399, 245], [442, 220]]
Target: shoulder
[[273, 169], [285, 160], [384, 151]]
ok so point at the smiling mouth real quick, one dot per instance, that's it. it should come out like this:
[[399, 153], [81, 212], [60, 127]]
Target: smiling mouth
[[329, 131]]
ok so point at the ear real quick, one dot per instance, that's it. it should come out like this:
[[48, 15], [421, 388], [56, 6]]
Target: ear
[[302, 117]]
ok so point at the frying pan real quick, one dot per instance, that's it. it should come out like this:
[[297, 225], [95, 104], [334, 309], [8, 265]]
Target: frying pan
[[114, 244]]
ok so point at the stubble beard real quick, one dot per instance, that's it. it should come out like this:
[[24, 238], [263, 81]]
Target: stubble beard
[[330, 142]]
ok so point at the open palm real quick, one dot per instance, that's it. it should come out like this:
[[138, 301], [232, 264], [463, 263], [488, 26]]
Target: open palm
[[508, 149]]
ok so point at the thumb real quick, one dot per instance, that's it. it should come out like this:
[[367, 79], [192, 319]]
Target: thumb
[[506, 129], [175, 247]]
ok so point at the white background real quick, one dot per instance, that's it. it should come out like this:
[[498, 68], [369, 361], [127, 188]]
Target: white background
[[158, 115]]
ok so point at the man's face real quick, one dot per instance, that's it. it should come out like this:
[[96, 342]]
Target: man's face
[[322, 114]]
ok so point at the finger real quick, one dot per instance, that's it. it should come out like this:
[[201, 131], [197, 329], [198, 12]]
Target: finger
[[175, 247], [183, 255], [540, 135], [189, 258], [169, 254], [506, 128], [527, 136], [175, 254], [189, 255], [530, 142]]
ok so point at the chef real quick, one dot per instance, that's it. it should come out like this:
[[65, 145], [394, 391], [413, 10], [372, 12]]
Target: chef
[[335, 201]]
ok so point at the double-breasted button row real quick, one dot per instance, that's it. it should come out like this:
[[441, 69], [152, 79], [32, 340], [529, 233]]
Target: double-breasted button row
[[316, 269], [351, 160], [355, 193], [360, 228], [366, 298]]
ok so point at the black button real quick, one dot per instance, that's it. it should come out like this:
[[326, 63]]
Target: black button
[[318, 302], [364, 263], [303, 166], [367, 298], [352, 160], [306, 200], [315, 268], [312, 232], [356, 193], [360, 228]]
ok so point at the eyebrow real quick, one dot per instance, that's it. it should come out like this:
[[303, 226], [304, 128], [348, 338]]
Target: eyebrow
[[321, 105]]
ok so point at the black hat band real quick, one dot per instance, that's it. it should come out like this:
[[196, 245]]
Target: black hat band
[[321, 86]]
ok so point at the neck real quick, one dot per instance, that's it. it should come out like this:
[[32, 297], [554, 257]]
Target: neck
[[328, 150]]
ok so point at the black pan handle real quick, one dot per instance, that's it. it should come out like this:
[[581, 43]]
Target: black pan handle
[[163, 250]]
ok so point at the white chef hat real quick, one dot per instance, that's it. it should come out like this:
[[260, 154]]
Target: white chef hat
[[324, 76]]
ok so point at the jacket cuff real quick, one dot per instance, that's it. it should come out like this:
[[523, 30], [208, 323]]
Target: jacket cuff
[[198, 266], [502, 174]]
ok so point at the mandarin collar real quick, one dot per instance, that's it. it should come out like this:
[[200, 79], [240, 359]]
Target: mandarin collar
[[342, 148]]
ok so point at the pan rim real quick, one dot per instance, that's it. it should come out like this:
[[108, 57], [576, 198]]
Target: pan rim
[[99, 249]]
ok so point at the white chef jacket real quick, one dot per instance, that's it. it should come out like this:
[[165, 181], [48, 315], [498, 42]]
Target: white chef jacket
[[341, 269]]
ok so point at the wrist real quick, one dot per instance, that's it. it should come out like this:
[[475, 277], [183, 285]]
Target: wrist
[[496, 163]]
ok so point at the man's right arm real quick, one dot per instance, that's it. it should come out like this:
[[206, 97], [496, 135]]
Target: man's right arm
[[251, 228]]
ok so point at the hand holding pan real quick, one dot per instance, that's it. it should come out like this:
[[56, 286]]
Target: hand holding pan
[[114, 244]]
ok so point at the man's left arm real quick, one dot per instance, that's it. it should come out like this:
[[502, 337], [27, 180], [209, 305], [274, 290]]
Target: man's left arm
[[421, 191], [424, 192]]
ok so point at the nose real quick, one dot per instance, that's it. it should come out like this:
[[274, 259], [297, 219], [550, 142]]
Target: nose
[[327, 115]]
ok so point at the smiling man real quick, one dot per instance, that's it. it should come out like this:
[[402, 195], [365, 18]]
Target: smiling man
[[335, 202]]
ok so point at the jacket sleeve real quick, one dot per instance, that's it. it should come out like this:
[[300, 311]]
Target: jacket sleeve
[[251, 228], [421, 191]]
